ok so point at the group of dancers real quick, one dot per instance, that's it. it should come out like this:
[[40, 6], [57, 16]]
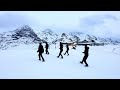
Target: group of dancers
[[41, 51]]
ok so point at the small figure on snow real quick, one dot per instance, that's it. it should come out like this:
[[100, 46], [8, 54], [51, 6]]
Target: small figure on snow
[[40, 50], [85, 55], [47, 46], [61, 50], [67, 47]]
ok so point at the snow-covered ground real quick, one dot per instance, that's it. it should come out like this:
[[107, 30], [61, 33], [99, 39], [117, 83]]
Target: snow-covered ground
[[22, 63]]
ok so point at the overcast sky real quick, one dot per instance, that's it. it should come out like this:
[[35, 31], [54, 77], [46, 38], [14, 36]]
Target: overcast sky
[[99, 23]]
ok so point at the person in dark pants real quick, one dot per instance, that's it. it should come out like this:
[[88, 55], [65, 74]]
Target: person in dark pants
[[67, 47], [85, 56], [47, 46], [61, 50], [40, 50]]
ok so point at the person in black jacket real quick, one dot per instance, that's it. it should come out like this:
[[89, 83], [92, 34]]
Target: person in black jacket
[[61, 50], [40, 50], [47, 46], [67, 47], [85, 56]]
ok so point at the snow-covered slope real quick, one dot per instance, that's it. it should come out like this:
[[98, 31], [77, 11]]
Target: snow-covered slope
[[22, 35], [14, 64]]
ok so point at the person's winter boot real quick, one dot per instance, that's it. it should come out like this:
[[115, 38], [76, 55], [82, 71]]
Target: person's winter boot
[[81, 62], [86, 65], [43, 61]]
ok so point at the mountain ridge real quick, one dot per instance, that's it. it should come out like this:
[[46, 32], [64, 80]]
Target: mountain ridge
[[26, 35]]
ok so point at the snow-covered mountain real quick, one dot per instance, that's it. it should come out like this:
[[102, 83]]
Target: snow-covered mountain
[[22, 35], [48, 36], [82, 36], [51, 37], [26, 35]]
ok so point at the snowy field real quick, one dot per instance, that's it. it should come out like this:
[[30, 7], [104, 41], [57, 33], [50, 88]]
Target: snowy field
[[22, 63]]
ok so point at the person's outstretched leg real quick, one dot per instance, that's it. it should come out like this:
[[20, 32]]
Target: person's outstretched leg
[[46, 51], [82, 60], [85, 60], [39, 56], [59, 54], [42, 57], [65, 53]]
